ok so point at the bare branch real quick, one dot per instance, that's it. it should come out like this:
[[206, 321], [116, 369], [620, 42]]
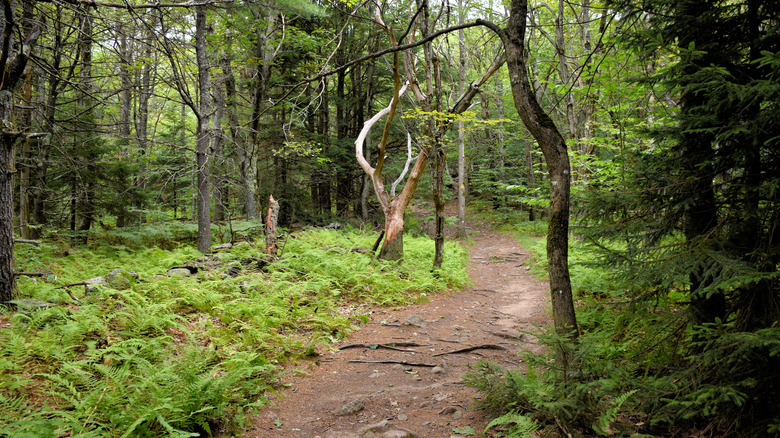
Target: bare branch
[[406, 166]]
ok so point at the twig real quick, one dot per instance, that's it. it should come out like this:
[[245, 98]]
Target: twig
[[477, 347], [400, 362], [562, 427]]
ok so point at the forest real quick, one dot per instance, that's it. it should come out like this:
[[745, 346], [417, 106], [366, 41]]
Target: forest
[[215, 181]]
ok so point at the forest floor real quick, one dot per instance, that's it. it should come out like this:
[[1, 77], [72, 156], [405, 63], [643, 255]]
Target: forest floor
[[400, 374]]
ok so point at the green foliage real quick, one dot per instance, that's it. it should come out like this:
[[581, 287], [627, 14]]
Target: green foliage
[[519, 426], [181, 356]]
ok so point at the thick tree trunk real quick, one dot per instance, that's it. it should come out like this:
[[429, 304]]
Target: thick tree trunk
[[393, 245], [7, 140], [553, 147]]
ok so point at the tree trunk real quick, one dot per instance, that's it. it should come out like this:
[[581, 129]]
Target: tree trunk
[[7, 140], [271, 227], [244, 156], [461, 230], [553, 147], [204, 141]]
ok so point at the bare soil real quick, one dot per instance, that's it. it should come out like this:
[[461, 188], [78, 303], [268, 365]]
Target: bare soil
[[418, 390]]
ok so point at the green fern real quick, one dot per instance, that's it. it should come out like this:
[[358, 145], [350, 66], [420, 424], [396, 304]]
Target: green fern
[[609, 416], [516, 425]]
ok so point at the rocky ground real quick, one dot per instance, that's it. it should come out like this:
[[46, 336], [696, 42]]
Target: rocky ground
[[400, 375]]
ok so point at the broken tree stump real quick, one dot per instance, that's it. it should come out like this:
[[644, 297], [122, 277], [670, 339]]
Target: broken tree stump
[[271, 232]]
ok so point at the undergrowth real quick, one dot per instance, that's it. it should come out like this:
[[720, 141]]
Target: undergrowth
[[640, 368], [186, 356]]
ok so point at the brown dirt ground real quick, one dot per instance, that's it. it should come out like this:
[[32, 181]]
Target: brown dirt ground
[[406, 400]]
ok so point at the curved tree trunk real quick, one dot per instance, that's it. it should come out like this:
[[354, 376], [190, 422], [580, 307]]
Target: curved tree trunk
[[555, 153]]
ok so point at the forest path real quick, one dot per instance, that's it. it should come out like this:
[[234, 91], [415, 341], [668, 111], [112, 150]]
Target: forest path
[[343, 399]]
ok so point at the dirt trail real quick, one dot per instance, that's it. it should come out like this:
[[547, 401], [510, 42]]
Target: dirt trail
[[343, 399]]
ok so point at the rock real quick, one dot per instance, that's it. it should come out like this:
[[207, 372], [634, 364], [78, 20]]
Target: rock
[[396, 434], [350, 408], [376, 375], [376, 427], [181, 272], [120, 279], [333, 226], [437, 370], [402, 417], [95, 280], [223, 246], [415, 320], [341, 434]]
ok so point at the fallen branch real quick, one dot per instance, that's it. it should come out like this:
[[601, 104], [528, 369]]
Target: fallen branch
[[32, 242], [389, 346], [476, 347], [399, 362], [34, 274]]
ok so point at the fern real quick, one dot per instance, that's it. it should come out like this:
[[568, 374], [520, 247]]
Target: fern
[[520, 426], [609, 416]]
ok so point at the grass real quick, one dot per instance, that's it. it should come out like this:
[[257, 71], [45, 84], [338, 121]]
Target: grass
[[186, 356]]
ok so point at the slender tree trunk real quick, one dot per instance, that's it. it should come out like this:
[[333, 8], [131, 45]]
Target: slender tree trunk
[[461, 230], [553, 147], [203, 134], [245, 178]]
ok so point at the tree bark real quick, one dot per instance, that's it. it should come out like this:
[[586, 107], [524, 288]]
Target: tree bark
[[204, 141], [461, 190], [271, 223], [554, 149]]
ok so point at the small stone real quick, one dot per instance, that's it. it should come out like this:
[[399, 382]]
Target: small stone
[[402, 417], [396, 434], [437, 370], [350, 408], [341, 434], [376, 375], [415, 320], [397, 366], [376, 427], [457, 415]]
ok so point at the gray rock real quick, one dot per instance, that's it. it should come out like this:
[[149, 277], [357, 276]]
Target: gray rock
[[415, 320], [396, 434], [376, 427], [223, 246], [333, 226], [350, 408], [181, 272], [437, 370], [119, 279], [341, 434], [95, 280]]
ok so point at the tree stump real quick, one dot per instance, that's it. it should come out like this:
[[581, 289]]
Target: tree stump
[[271, 227]]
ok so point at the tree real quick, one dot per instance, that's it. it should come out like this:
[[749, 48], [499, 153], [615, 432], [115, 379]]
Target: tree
[[713, 178], [553, 146], [14, 55]]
